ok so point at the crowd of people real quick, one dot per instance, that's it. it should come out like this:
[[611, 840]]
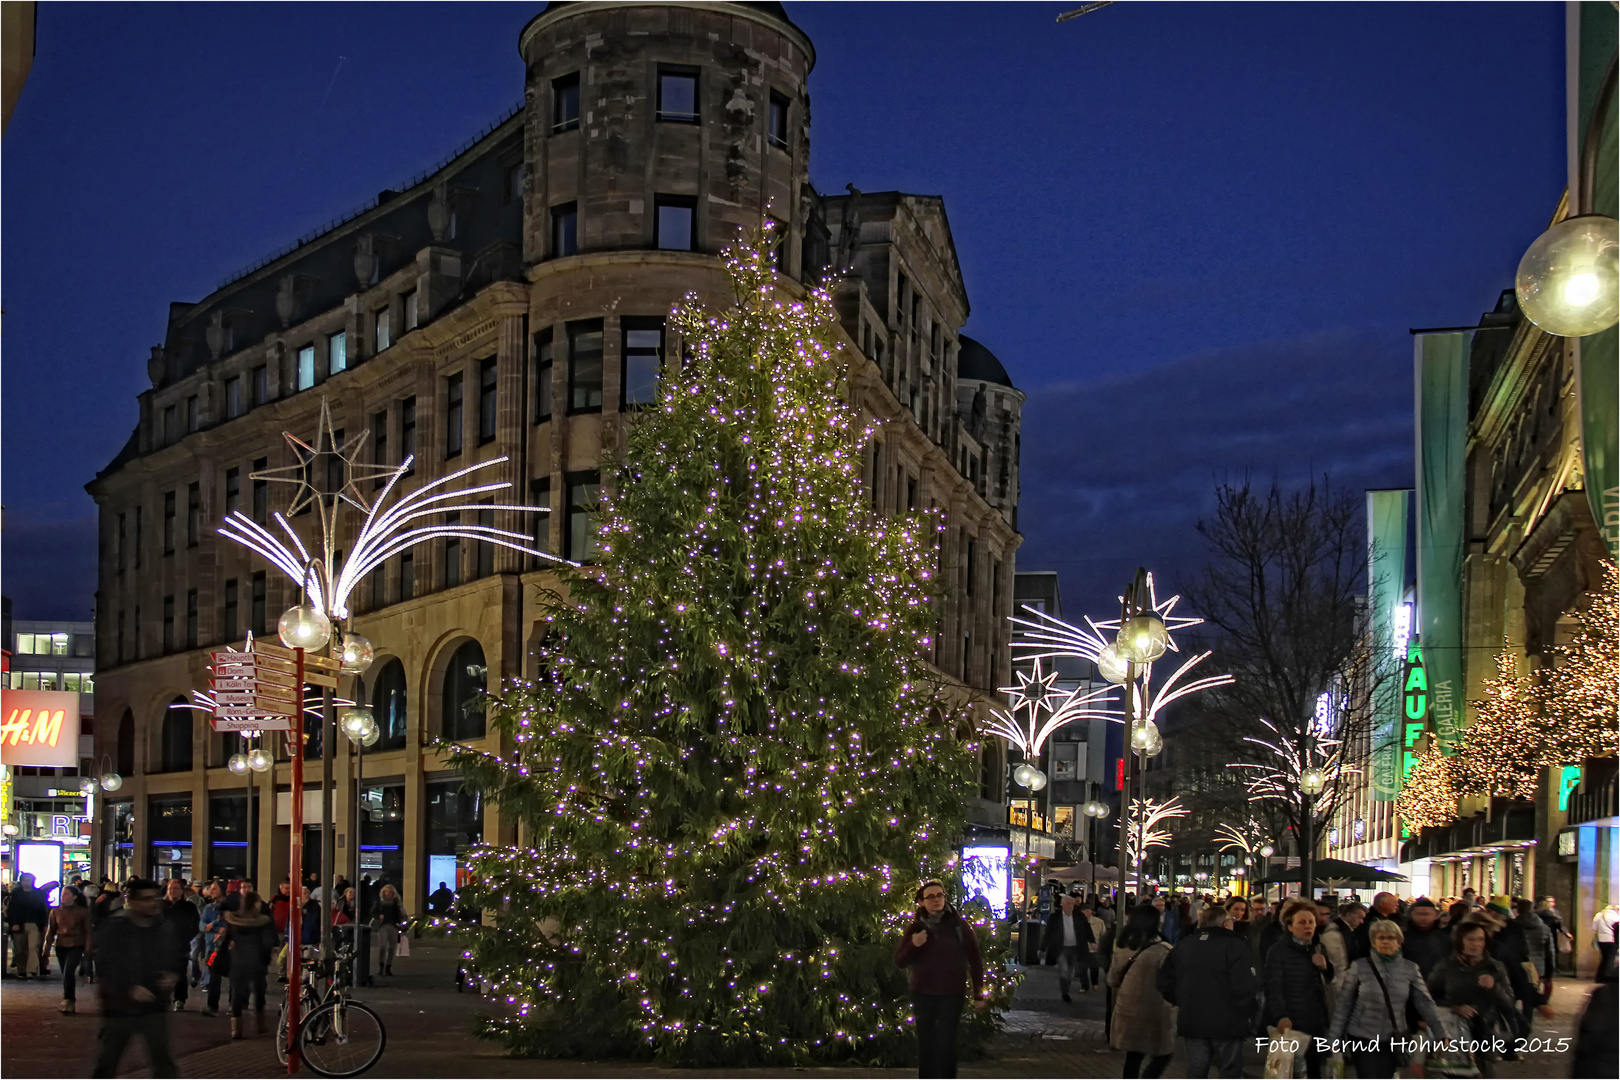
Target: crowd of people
[[146, 945], [1462, 980]]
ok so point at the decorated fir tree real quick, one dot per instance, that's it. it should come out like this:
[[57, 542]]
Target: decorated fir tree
[[1580, 694], [1428, 797], [734, 770], [1502, 752]]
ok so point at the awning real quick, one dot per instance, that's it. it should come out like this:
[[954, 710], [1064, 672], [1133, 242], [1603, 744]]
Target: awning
[[1336, 872]]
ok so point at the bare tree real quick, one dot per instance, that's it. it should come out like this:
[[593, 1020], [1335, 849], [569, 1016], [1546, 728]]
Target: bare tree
[[1283, 594]]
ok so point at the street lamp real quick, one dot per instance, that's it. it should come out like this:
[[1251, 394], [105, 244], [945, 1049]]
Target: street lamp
[[357, 655], [1095, 811], [1113, 667], [304, 627], [1311, 783], [239, 765], [1143, 637]]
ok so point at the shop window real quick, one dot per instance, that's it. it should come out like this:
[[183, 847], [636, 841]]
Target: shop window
[[466, 681], [388, 706], [455, 825]]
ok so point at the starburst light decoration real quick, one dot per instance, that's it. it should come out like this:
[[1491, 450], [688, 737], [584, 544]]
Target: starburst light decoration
[[1278, 778], [1031, 722], [1034, 690], [1248, 837], [1146, 817], [386, 530]]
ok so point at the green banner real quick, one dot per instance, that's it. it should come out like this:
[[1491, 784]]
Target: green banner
[[1596, 34], [1442, 439], [1386, 585]]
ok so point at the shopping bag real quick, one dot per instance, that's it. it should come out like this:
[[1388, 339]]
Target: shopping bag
[[404, 946], [1280, 1058]]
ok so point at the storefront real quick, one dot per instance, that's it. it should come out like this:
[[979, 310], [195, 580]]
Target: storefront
[[455, 824], [168, 834]]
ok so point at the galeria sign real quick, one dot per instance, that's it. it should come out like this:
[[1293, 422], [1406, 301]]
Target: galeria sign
[[39, 727], [1414, 706]]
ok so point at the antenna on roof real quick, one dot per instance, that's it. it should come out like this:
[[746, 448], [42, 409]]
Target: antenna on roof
[[1084, 9]]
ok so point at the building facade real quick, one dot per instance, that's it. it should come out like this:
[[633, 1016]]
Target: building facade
[[511, 303]]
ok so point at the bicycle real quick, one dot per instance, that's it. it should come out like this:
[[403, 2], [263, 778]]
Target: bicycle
[[336, 1036]]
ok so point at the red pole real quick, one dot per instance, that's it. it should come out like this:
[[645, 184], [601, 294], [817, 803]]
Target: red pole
[[295, 906]]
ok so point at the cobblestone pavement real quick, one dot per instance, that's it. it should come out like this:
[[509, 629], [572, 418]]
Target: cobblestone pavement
[[429, 1035]]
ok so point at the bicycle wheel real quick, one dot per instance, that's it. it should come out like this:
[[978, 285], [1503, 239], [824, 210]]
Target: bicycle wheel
[[341, 1038], [282, 1039]]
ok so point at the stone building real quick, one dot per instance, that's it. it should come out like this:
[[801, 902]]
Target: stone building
[[511, 302]]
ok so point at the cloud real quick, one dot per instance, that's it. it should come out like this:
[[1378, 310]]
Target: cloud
[[50, 563], [1116, 472]]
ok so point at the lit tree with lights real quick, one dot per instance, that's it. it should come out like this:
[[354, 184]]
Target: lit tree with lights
[[1580, 696], [733, 770], [1429, 796], [1502, 752]]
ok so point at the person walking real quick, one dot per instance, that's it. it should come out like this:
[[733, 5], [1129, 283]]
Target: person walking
[[137, 952], [250, 938], [26, 915], [1473, 985], [1426, 942], [68, 927], [216, 960], [1605, 928], [1069, 940], [1297, 975], [1144, 1024], [1214, 980], [1539, 938], [1374, 997], [1563, 940], [390, 920], [182, 918], [1092, 960], [1338, 936], [941, 952], [1506, 943]]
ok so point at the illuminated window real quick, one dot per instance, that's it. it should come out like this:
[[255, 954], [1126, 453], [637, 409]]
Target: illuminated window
[[306, 367], [776, 128], [337, 353]]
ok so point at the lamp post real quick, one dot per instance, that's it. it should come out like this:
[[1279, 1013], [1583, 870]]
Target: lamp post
[[1096, 810], [1311, 783], [1027, 776], [1265, 853], [1142, 639]]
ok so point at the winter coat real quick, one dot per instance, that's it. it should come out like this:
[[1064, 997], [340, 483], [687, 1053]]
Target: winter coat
[[182, 918], [1508, 945], [1267, 933], [1454, 983], [130, 955], [251, 940], [280, 908], [27, 906], [1214, 980], [1539, 942], [1426, 948], [947, 961], [1295, 987], [1363, 1011], [1143, 1021], [389, 913], [1052, 939], [69, 927], [1338, 941], [309, 925], [1595, 1036]]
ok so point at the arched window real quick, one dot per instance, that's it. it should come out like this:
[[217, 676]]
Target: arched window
[[124, 758], [465, 680], [388, 705], [174, 749]]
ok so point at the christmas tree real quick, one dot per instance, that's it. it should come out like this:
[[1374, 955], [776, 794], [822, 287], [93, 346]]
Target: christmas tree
[[734, 770], [1580, 693], [1502, 752], [1429, 796]]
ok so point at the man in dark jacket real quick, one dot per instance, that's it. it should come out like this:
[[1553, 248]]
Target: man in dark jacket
[[1427, 942], [136, 956], [1214, 980], [1069, 943], [1507, 945], [181, 915], [25, 922]]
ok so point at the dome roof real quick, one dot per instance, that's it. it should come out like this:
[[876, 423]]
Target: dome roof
[[974, 361], [774, 10]]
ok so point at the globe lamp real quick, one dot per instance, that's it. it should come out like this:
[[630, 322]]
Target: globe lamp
[[1567, 282], [1110, 665], [1143, 638], [304, 627], [357, 655]]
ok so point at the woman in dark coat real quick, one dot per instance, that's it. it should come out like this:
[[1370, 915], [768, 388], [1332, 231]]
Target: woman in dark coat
[[1475, 986], [1297, 977], [942, 952], [251, 938]]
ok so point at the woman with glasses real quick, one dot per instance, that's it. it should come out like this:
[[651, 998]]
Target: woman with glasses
[[941, 951]]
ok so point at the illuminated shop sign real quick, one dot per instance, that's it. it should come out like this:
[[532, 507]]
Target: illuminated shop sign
[[39, 728], [1414, 706]]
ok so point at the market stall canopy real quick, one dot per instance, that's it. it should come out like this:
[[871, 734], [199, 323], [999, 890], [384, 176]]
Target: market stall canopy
[[1081, 872], [1336, 872]]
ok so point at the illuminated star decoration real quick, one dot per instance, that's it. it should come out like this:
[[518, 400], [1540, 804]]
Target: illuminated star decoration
[[302, 474], [328, 582], [1147, 815], [1031, 735], [1248, 838], [1034, 690], [1278, 779], [1165, 612], [1043, 637]]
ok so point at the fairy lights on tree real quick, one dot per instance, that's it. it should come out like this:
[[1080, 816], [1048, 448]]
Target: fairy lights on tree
[[1581, 694], [731, 768], [1502, 752], [1429, 796]]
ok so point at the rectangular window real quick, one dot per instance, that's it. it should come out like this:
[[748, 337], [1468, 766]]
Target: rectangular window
[[232, 621], [171, 426], [779, 246], [407, 433], [261, 492], [584, 492], [564, 229], [379, 444], [193, 414], [306, 367], [407, 576], [140, 536], [972, 560], [542, 376], [776, 124], [540, 495], [585, 366], [256, 610], [676, 218], [677, 95], [381, 331], [379, 587], [168, 625], [193, 514], [261, 384], [191, 618], [565, 103], [118, 646], [452, 554], [485, 550], [486, 400], [511, 184], [337, 353], [233, 397], [168, 522], [123, 529], [452, 415], [641, 360], [409, 303]]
